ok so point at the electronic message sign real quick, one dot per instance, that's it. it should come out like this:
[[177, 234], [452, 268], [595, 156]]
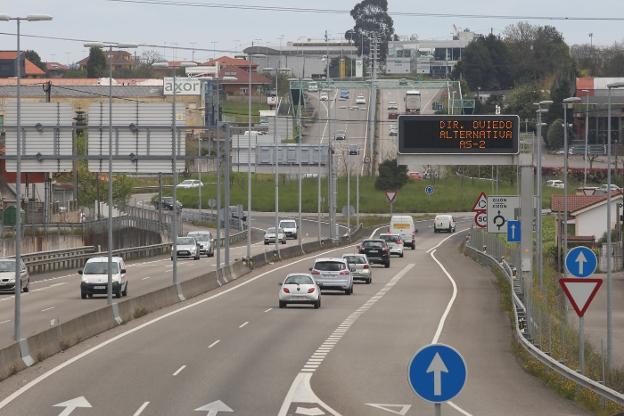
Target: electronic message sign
[[459, 134]]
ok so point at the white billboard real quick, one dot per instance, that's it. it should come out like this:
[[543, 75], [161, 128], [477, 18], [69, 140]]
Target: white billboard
[[46, 133], [359, 68], [184, 86], [140, 132], [202, 71]]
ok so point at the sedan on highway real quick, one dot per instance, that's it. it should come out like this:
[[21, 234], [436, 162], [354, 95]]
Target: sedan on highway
[[360, 99], [190, 184], [376, 251], [362, 268], [299, 289], [333, 273], [392, 105], [187, 247], [205, 241], [324, 96], [7, 276], [167, 203], [354, 150], [340, 135], [395, 244], [270, 235]]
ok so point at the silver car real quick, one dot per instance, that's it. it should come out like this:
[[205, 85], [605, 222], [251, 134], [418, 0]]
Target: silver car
[[7, 276], [270, 235], [333, 273], [205, 241], [362, 267], [187, 247]]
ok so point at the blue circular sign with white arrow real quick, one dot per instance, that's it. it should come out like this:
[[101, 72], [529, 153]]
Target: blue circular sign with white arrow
[[429, 189], [581, 261], [437, 373]]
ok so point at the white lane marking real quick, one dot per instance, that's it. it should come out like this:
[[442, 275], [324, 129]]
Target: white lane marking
[[5, 322], [179, 370], [438, 333], [214, 343], [58, 284], [47, 309], [244, 324], [168, 270], [51, 279], [300, 390], [26, 387], [140, 409], [267, 310], [147, 277]]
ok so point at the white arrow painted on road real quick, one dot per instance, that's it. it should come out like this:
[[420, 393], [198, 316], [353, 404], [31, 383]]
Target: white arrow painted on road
[[214, 408], [73, 404], [315, 411], [395, 409], [581, 260], [437, 367]]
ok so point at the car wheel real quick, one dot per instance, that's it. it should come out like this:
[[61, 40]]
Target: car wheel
[[282, 304], [266, 243], [369, 281], [317, 304], [171, 258], [283, 241], [83, 295], [118, 294], [26, 289], [196, 257], [125, 291], [414, 245], [401, 254], [387, 264]]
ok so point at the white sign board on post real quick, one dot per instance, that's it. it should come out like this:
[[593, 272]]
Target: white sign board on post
[[500, 209], [184, 86]]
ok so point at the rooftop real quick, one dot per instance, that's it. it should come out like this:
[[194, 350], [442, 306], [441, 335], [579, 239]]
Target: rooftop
[[30, 68], [578, 202]]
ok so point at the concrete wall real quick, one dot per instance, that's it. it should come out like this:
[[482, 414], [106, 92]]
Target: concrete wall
[[32, 244]]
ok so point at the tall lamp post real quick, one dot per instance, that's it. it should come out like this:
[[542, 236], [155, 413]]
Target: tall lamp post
[[609, 251], [110, 46], [538, 217], [18, 169], [586, 155], [566, 104], [174, 165]]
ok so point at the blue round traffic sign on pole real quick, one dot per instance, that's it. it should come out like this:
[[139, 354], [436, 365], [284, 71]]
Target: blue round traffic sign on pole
[[429, 189], [437, 373], [581, 261]]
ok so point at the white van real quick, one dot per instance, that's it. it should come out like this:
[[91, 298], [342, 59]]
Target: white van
[[444, 222], [404, 226], [94, 279]]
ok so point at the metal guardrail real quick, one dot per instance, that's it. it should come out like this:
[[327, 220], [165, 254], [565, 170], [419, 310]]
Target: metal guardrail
[[520, 335]]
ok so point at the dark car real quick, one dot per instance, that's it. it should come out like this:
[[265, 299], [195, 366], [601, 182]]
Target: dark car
[[376, 250], [393, 115], [167, 203]]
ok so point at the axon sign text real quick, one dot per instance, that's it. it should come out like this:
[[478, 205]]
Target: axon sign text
[[184, 86]]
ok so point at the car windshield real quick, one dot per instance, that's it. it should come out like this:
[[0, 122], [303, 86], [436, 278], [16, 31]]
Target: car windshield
[[270, 230], [299, 279], [201, 236], [373, 244], [7, 266], [391, 238], [185, 241], [288, 224], [100, 267], [355, 259], [329, 266]]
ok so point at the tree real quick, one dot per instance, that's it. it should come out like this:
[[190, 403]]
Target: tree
[[391, 177], [34, 57], [486, 64], [554, 137], [520, 101], [371, 17], [96, 63]]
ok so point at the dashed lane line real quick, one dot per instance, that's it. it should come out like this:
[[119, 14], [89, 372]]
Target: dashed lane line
[[179, 370]]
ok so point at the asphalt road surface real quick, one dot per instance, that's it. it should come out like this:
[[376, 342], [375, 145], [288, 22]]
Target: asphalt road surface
[[235, 350]]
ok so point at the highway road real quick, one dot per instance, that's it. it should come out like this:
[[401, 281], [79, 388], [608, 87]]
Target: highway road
[[234, 350], [55, 297]]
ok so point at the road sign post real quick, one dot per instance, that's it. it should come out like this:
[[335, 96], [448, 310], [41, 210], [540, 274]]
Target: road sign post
[[391, 197], [480, 210], [437, 373]]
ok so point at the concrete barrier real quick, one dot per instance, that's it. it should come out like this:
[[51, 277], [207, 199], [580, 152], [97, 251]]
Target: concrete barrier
[[56, 339]]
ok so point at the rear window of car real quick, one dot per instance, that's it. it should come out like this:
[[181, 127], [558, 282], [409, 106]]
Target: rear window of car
[[100, 267], [329, 266], [372, 244], [201, 236], [299, 279], [355, 259], [288, 224], [391, 238]]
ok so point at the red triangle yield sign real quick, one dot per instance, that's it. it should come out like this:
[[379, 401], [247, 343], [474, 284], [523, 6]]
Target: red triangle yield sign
[[391, 196], [481, 203], [580, 292]]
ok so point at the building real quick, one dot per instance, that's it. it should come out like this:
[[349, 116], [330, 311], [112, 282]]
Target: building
[[55, 69], [587, 215], [435, 58], [594, 102], [120, 60], [8, 67], [301, 59], [233, 75]]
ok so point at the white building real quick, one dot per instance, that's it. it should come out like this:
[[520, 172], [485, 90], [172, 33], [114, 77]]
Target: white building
[[587, 215]]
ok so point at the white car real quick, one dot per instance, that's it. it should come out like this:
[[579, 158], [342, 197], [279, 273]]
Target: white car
[[270, 235], [334, 274], [7, 276], [290, 228], [555, 183], [190, 184], [205, 241], [393, 131], [324, 96], [444, 222], [299, 288], [392, 105], [360, 99], [94, 277], [186, 247], [395, 244], [362, 267], [605, 187]]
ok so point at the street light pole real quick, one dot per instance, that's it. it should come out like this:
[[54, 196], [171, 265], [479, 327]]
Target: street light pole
[[566, 103], [586, 156], [18, 170], [538, 217], [249, 158]]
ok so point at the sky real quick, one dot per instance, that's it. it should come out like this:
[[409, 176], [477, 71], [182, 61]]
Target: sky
[[228, 30]]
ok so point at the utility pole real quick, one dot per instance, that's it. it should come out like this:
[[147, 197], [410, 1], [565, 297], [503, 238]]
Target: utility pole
[[228, 215]]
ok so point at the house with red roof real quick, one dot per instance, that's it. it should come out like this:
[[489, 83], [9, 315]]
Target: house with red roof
[[7, 66]]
